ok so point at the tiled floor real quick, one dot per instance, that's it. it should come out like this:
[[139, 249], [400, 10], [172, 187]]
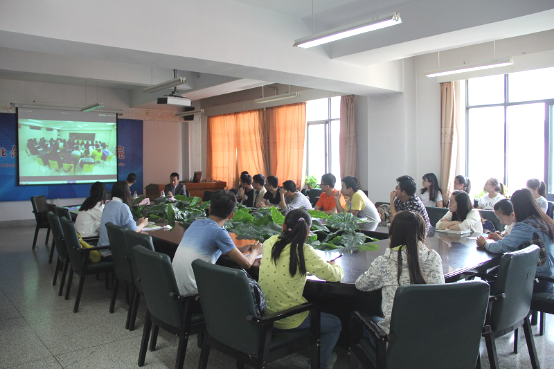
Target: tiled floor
[[38, 329]]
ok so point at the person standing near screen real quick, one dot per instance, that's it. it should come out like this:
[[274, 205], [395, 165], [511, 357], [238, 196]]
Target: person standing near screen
[[174, 187]]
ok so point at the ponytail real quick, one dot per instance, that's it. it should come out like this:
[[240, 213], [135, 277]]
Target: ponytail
[[296, 229], [537, 185]]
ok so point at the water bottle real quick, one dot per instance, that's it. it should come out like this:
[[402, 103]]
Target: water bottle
[[135, 196], [162, 194]]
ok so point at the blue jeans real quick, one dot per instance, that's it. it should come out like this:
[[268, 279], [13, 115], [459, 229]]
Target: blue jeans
[[330, 327]]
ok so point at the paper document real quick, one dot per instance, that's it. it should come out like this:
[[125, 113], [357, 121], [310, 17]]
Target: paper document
[[467, 231]]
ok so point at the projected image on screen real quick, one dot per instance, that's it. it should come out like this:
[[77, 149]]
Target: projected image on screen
[[62, 147]]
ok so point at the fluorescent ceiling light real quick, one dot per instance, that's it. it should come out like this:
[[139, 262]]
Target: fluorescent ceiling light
[[165, 85], [353, 29], [184, 113], [470, 67], [93, 107], [290, 95]]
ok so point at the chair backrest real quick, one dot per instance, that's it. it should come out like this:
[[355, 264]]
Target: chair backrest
[[434, 326], [435, 214], [489, 215], [120, 252], [550, 209], [72, 244], [62, 212], [57, 233], [158, 282], [226, 302], [39, 204], [88, 167], [134, 239], [53, 164], [207, 196], [68, 168], [516, 274], [313, 195]]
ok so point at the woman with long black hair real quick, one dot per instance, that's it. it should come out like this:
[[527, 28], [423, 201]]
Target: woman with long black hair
[[87, 223], [530, 221], [461, 215], [118, 212], [431, 193], [285, 263], [406, 261]]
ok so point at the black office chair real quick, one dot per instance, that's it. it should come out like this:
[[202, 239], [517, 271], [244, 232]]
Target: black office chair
[[511, 294], [313, 195], [165, 307], [233, 327], [435, 214], [543, 302], [207, 196], [61, 212], [550, 209], [133, 239], [80, 261], [122, 266], [63, 258], [40, 209], [432, 326], [489, 215]]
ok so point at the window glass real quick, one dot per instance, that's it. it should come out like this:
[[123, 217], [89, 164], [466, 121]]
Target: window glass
[[531, 85], [550, 184], [335, 107], [486, 90], [525, 144], [334, 155], [485, 146], [316, 150], [317, 110]]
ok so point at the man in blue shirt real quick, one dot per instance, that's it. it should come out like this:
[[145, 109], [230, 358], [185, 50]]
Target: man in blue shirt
[[206, 239]]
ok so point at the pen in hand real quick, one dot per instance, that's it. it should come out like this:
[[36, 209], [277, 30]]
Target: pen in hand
[[335, 258]]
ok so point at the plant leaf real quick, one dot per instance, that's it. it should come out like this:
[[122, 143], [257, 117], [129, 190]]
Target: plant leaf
[[318, 214], [276, 215]]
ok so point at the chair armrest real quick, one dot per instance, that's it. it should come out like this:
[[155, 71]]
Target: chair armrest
[[498, 297], [95, 248], [474, 273], [178, 296], [370, 325], [282, 314], [544, 278]]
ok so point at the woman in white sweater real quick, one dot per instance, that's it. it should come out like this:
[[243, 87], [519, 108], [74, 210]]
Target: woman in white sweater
[[406, 261], [87, 223], [461, 215]]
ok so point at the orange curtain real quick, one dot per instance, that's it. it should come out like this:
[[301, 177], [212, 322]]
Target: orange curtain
[[222, 149], [286, 133], [249, 131], [348, 154]]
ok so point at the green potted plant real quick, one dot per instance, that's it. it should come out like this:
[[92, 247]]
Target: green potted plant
[[311, 182]]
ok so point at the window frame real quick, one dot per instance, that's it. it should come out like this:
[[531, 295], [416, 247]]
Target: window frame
[[548, 128]]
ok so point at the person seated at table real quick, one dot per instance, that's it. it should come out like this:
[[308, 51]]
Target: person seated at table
[[495, 193], [76, 153], [530, 221], [403, 198], [504, 211], [358, 203], [118, 212], [406, 261], [86, 159], [326, 202], [105, 152], [462, 183], [431, 193], [246, 191], [271, 196], [538, 189], [258, 182], [131, 179], [88, 220], [206, 239], [96, 154], [174, 187], [461, 215], [286, 260], [290, 198]]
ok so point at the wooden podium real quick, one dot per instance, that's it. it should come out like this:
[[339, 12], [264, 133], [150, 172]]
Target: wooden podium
[[195, 189]]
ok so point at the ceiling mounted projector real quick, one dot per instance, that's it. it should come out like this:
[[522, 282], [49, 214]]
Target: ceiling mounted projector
[[174, 100]]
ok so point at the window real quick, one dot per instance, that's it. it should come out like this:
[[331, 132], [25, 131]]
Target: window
[[323, 120], [510, 133]]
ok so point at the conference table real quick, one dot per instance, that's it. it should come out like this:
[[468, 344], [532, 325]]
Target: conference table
[[459, 253]]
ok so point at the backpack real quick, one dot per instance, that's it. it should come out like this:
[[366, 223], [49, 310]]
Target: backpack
[[257, 295]]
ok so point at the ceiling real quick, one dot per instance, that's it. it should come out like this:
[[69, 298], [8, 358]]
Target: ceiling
[[224, 46]]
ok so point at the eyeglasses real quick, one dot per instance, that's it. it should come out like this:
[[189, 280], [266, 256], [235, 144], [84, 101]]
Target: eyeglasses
[[323, 184]]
